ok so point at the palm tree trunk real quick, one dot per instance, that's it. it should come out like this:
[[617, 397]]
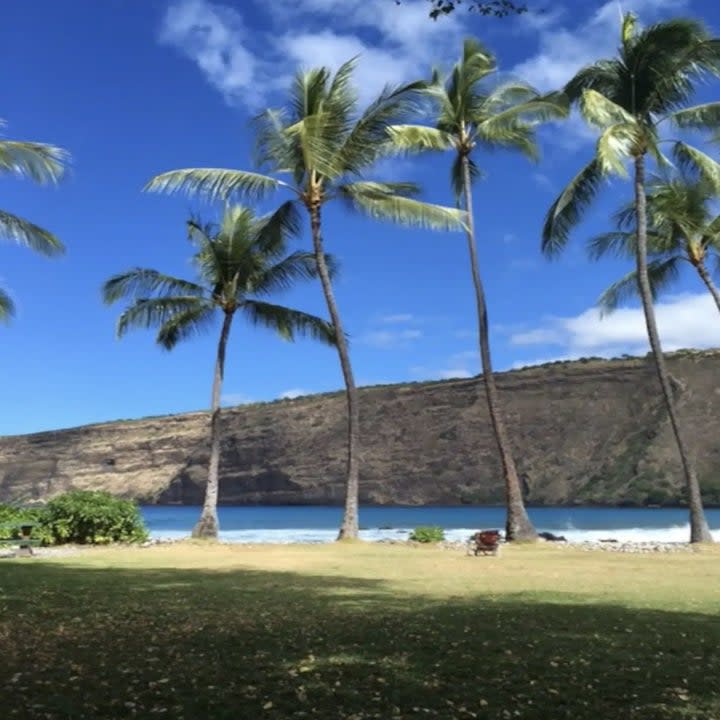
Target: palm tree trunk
[[349, 527], [699, 530], [705, 277], [518, 525], [207, 526]]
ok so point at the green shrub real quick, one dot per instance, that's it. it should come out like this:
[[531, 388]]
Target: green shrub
[[11, 515], [92, 517], [428, 534]]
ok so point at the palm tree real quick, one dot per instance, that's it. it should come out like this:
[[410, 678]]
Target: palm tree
[[241, 261], [681, 229], [41, 163], [629, 98], [472, 115], [324, 148]]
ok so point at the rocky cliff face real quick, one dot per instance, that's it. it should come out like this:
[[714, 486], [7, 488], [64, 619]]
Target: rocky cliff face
[[584, 432]]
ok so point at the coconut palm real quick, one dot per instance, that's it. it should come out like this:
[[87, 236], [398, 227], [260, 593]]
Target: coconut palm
[[237, 264], [682, 228], [630, 98], [43, 164], [324, 148], [476, 114]]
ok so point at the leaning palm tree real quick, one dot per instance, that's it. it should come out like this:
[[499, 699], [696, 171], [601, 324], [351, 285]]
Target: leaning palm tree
[[42, 164], [475, 113], [629, 98], [237, 264], [324, 148], [682, 228]]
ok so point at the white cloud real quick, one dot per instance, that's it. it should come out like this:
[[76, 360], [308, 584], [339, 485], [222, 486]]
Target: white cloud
[[393, 44], [684, 321], [563, 47], [214, 37], [293, 393], [390, 339], [235, 399]]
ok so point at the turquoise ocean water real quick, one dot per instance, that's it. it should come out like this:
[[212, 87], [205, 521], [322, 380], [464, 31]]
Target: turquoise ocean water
[[284, 524]]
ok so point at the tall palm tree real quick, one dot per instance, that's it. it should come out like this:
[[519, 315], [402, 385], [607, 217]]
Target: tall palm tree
[[237, 264], [473, 114], [42, 164], [682, 228], [324, 147], [629, 98]]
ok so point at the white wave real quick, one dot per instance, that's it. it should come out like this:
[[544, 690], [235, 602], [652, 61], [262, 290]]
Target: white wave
[[675, 533]]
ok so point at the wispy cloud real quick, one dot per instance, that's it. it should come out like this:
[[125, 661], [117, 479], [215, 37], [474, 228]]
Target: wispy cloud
[[235, 399], [250, 67], [684, 321], [390, 339], [293, 393], [565, 45]]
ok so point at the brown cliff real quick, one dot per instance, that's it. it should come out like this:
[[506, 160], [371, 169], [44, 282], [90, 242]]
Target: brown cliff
[[584, 432]]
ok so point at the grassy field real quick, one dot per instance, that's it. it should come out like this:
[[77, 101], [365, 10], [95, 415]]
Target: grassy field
[[360, 631]]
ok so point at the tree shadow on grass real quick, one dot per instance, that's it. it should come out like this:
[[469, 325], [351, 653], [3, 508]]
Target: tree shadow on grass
[[78, 642]]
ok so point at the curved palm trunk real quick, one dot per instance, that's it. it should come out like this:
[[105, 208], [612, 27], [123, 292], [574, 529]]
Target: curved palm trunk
[[709, 284], [207, 526], [518, 525], [349, 527], [699, 530]]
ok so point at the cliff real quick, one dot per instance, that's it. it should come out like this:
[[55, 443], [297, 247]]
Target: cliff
[[591, 431]]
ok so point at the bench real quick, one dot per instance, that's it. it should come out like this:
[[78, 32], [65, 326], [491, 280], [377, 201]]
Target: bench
[[485, 542], [25, 542]]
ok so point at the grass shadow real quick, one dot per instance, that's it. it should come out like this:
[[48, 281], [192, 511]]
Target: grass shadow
[[81, 642]]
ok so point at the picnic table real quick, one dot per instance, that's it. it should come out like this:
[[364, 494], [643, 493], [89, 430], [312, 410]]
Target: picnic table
[[22, 537]]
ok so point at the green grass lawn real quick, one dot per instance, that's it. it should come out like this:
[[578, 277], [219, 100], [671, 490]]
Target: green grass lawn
[[360, 631]]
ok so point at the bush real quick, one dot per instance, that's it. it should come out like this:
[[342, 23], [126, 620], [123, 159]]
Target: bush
[[92, 517], [428, 534], [10, 515]]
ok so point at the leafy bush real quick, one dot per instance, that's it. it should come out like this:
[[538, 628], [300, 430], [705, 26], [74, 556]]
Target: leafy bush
[[10, 516], [92, 517], [428, 534]]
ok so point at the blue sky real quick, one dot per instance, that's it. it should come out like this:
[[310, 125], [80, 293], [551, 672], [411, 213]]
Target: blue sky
[[133, 88]]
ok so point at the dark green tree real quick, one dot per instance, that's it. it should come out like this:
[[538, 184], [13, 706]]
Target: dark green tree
[[238, 265]]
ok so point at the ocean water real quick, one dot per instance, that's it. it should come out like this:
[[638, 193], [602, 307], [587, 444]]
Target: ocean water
[[319, 524]]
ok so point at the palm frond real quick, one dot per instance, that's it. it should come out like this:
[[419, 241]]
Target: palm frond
[[419, 138], [702, 117], [662, 273], [615, 147], [600, 111], [285, 274], [318, 138], [37, 161], [185, 324], [457, 178], [7, 307], [603, 76], [402, 210], [691, 160], [146, 313], [272, 231], [143, 282], [493, 134], [287, 322], [567, 210], [618, 243], [367, 142], [214, 183], [23, 232]]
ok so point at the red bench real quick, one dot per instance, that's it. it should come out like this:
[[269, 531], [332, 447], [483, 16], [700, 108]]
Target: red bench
[[485, 542]]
